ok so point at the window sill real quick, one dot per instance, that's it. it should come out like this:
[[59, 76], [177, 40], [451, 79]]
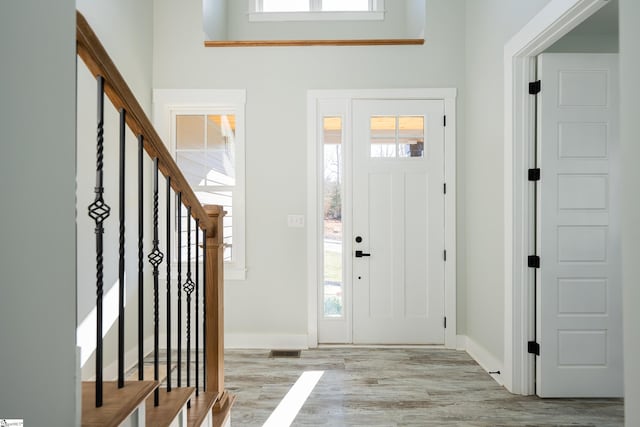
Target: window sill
[[315, 16]]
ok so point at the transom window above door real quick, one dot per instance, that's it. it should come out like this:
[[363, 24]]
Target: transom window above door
[[293, 10]]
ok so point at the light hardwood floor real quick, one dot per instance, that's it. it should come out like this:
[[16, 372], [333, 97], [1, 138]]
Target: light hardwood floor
[[396, 387]]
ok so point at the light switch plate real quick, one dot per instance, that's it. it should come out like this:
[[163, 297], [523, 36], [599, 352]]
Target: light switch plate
[[295, 221]]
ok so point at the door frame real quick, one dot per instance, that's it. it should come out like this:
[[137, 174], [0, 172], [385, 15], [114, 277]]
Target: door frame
[[314, 165], [554, 21]]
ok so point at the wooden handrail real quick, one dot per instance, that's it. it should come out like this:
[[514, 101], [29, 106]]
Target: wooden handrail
[[335, 42], [99, 63]]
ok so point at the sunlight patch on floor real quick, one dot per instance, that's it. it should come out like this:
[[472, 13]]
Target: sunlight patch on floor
[[290, 405]]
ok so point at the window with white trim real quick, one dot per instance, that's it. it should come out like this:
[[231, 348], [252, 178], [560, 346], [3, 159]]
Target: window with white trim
[[206, 132], [205, 149], [284, 10]]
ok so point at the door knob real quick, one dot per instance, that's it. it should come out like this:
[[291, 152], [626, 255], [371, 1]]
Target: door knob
[[360, 254]]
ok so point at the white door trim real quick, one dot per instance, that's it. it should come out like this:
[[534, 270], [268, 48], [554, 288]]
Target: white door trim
[[449, 97], [550, 24]]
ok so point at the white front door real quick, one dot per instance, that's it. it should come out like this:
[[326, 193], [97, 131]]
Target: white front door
[[579, 322], [398, 222]]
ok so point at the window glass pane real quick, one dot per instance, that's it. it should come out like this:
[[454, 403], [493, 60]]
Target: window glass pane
[[192, 164], [205, 153], [285, 5], [383, 147], [190, 132], [333, 239], [411, 136], [408, 147], [383, 126], [221, 149], [411, 126], [225, 199], [345, 5]]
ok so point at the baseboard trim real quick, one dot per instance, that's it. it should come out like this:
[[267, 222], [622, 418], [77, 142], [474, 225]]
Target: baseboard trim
[[266, 341], [478, 353], [461, 342]]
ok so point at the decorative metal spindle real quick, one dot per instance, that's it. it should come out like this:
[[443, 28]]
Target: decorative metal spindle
[[168, 214], [121, 263], [189, 287], [140, 258], [204, 310], [99, 212], [179, 226], [155, 259], [197, 302]]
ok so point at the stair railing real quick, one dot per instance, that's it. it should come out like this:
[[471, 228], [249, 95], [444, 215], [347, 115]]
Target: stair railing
[[207, 222]]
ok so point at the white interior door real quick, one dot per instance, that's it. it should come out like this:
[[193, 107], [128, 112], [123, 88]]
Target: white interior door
[[398, 222], [579, 322]]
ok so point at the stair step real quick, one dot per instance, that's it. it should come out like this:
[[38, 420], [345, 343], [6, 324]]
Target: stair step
[[147, 373], [201, 405], [170, 405], [118, 403], [221, 414]]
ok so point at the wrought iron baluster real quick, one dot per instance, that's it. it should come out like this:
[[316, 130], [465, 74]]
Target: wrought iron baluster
[[99, 211], [140, 258], [121, 263], [204, 310], [189, 287], [168, 214], [155, 259], [197, 228], [179, 278]]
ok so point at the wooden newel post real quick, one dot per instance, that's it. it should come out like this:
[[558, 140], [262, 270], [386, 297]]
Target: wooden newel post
[[214, 340]]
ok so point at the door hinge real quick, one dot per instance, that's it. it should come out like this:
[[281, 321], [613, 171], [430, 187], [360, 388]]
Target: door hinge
[[534, 174], [535, 87], [533, 261], [444, 121], [445, 322], [444, 254], [533, 348], [445, 188]]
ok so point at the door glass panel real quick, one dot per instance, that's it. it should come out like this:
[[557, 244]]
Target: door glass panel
[[409, 147], [383, 147], [383, 130], [411, 136], [333, 238], [397, 136]]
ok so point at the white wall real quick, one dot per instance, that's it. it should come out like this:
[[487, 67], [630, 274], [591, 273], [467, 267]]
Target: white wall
[[273, 299], [630, 129], [37, 227], [489, 25], [214, 15], [131, 49]]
